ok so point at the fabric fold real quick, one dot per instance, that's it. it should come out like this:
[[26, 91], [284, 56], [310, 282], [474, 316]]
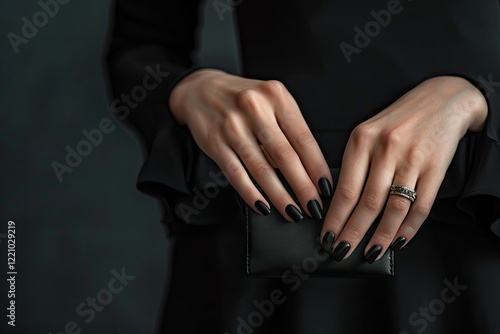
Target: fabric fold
[[480, 198]]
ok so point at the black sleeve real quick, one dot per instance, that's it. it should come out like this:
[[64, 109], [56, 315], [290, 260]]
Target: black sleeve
[[481, 196], [149, 53], [477, 161]]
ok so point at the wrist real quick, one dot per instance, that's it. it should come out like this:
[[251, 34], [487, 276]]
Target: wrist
[[464, 100], [472, 103], [182, 92], [479, 109]]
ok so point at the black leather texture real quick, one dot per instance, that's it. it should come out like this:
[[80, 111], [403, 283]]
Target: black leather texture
[[278, 248]]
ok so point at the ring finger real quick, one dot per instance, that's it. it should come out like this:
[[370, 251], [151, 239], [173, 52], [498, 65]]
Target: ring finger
[[396, 209], [368, 208]]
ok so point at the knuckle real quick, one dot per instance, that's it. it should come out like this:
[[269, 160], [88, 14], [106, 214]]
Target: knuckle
[[261, 169], [247, 99], [415, 156], [422, 209], [409, 231], [392, 138], [398, 204], [233, 170], [273, 87], [384, 237], [353, 234], [362, 134], [346, 194], [305, 139], [372, 202], [283, 152], [246, 152]]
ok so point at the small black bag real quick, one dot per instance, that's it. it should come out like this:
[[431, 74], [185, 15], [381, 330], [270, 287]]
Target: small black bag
[[275, 247]]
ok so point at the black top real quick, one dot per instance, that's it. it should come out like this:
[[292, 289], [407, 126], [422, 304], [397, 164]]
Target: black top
[[343, 61]]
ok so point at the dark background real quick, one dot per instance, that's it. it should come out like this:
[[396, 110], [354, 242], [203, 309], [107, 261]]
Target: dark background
[[70, 235]]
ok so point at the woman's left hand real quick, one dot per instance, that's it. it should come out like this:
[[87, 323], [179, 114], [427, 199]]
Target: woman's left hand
[[410, 143]]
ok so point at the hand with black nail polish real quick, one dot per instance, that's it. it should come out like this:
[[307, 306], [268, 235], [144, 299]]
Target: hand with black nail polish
[[325, 187], [410, 144], [327, 242], [373, 253], [250, 128], [398, 243], [341, 251], [294, 213], [263, 208], [315, 209]]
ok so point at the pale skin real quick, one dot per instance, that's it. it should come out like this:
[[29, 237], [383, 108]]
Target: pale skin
[[250, 126]]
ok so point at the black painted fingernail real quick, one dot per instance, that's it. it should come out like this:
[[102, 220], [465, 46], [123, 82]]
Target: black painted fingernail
[[373, 253], [398, 243], [315, 209], [325, 187], [328, 240], [341, 251], [262, 208], [294, 213]]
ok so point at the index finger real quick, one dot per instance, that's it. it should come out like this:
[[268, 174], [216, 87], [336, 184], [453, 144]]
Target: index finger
[[296, 130]]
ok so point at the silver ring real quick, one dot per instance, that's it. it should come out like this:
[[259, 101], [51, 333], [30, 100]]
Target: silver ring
[[404, 191]]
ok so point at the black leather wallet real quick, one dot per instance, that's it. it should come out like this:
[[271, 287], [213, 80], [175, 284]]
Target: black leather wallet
[[277, 248]]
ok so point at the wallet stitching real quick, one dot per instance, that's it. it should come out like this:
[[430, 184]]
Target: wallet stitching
[[391, 262], [248, 239]]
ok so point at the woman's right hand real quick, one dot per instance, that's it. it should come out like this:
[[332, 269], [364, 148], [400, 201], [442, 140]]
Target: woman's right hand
[[251, 127]]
